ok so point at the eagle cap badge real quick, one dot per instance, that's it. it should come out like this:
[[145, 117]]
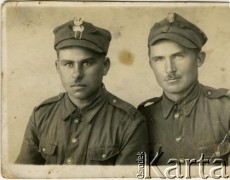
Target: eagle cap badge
[[78, 27], [171, 17]]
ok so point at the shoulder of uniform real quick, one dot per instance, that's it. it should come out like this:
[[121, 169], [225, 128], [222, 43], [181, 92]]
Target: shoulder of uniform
[[149, 102], [123, 105], [51, 100], [213, 93]]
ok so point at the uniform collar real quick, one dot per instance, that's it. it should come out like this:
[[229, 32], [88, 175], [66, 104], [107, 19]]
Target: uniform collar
[[88, 111], [186, 105]]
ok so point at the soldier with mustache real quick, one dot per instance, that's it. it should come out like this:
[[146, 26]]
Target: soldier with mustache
[[86, 125], [189, 119]]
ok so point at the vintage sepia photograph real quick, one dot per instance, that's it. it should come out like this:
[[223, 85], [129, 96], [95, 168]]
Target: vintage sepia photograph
[[115, 90]]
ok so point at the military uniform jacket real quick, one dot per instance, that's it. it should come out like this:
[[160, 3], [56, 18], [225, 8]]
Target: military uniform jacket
[[198, 124], [108, 131]]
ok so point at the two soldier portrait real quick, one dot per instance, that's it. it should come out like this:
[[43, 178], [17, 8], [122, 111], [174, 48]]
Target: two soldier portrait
[[88, 125]]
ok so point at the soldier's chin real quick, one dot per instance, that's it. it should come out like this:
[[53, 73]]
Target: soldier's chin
[[79, 95], [172, 89]]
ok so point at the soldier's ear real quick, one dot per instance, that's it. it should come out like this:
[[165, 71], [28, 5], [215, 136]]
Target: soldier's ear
[[106, 65], [200, 58]]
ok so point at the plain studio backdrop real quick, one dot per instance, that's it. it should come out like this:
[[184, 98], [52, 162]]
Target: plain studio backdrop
[[29, 74]]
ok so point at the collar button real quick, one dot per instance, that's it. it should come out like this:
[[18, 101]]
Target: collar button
[[76, 121], [176, 115]]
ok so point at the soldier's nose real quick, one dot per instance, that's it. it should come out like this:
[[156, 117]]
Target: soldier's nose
[[170, 66], [77, 72]]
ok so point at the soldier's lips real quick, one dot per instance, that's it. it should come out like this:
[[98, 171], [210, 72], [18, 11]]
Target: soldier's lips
[[172, 79], [78, 86]]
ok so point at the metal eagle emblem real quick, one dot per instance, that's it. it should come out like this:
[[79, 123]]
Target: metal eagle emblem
[[78, 27], [171, 17]]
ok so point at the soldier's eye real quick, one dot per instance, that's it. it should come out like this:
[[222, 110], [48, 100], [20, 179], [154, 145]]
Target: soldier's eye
[[157, 59], [88, 63], [69, 65], [179, 56]]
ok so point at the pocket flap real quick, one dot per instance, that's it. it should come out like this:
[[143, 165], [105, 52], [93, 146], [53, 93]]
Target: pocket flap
[[101, 154], [47, 147], [215, 150]]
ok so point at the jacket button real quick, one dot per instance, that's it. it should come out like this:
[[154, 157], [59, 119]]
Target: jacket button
[[177, 115], [178, 139], [103, 156], [69, 160], [43, 149], [76, 121], [114, 100], [74, 140], [182, 160], [209, 92], [218, 153]]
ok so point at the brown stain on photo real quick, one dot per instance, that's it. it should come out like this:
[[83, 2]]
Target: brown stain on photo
[[126, 57], [50, 171], [222, 69]]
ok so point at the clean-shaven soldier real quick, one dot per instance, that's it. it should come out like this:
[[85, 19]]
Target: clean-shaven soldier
[[86, 125]]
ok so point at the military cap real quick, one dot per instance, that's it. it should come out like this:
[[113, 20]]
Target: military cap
[[84, 34], [176, 28]]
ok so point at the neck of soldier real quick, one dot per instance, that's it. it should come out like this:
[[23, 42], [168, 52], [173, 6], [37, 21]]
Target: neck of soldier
[[80, 103], [177, 97]]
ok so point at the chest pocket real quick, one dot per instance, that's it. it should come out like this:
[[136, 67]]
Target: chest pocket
[[98, 155], [48, 150], [217, 150]]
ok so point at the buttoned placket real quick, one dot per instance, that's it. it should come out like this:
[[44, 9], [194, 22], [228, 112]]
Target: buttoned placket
[[76, 127], [178, 128], [79, 128], [180, 141]]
